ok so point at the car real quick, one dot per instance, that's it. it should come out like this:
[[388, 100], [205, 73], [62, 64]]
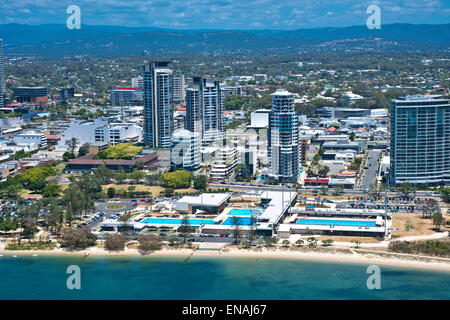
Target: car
[[135, 204], [133, 200]]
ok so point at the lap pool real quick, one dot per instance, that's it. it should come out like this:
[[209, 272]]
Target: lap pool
[[244, 212], [174, 221], [356, 223], [243, 221]]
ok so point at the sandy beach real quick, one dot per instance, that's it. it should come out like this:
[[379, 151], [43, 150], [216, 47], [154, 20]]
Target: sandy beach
[[355, 256]]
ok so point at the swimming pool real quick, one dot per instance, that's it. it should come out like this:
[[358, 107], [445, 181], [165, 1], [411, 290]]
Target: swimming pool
[[243, 221], [244, 212], [325, 222], [174, 221]]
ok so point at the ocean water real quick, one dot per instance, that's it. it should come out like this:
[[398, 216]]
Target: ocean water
[[43, 277]]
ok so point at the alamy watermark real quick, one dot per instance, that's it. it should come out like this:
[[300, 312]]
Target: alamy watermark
[[374, 20], [74, 280], [74, 20], [374, 280]]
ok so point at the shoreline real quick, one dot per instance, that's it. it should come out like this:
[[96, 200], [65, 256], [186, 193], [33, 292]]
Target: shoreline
[[382, 258]]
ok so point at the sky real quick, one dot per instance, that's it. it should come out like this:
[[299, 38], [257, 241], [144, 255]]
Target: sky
[[225, 14]]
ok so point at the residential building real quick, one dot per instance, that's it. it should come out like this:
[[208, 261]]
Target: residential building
[[99, 130], [193, 117], [178, 89], [224, 163], [420, 140], [2, 77], [31, 137], [185, 150], [204, 109], [283, 137], [158, 105], [138, 83]]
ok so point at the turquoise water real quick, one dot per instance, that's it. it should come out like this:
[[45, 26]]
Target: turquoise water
[[243, 221], [210, 278], [337, 222], [172, 221], [244, 212]]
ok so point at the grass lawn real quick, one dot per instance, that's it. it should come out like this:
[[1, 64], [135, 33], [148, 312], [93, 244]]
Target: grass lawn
[[154, 190], [25, 193], [41, 245], [348, 239], [418, 225]]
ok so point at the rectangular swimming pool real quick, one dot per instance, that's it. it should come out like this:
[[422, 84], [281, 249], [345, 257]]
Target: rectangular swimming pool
[[244, 212], [174, 221], [243, 221], [326, 222]]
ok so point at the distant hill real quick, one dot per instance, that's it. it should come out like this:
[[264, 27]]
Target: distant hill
[[57, 40]]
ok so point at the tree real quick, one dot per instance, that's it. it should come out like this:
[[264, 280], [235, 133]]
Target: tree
[[111, 192], [67, 156], [405, 188], [52, 190], [376, 188], [299, 242], [252, 228], [148, 243], [83, 150], [429, 207], [131, 190], [119, 151], [72, 145], [115, 242], [55, 218], [136, 175], [200, 182], [312, 242], [324, 190], [168, 192], [185, 228], [177, 179], [103, 174], [352, 136], [269, 241], [236, 223], [327, 242], [438, 220], [357, 243], [124, 218], [323, 171], [286, 243], [73, 239], [445, 194]]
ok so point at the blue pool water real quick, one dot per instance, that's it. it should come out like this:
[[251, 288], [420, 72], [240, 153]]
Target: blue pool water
[[337, 222], [244, 212], [243, 221], [172, 221]]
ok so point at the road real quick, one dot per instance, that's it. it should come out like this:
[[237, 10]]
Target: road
[[370, 174], [246, 187]]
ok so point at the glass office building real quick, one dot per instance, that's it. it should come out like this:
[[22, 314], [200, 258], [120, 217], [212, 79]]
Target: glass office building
[[420, 140]]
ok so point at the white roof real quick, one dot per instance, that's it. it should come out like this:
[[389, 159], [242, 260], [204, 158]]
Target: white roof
[[280, 202], [206, 199]]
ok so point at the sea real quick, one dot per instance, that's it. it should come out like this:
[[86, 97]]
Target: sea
[[210, 278]]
